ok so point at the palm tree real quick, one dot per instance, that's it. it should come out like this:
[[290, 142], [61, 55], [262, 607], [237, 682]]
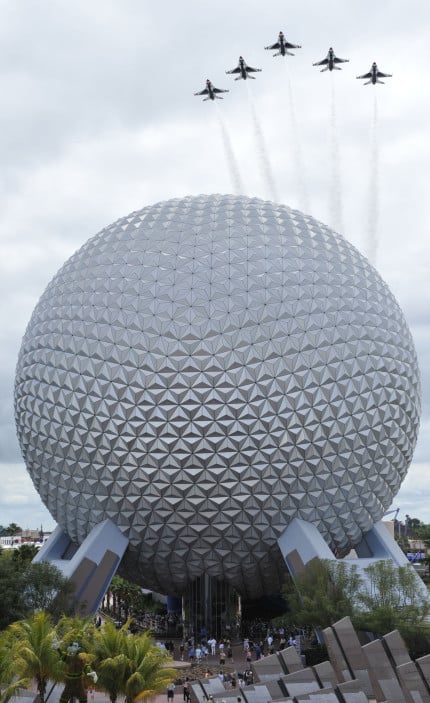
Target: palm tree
[[115, 590], [129, 665], [33, 651], [148, 668], [9, 683], [110, 663]]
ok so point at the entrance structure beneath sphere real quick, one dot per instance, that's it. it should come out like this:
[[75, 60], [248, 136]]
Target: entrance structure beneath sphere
[[209, 606]]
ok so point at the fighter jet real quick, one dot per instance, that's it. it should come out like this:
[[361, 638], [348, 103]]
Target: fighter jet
[[330, 61], [283, 46], [374, 75], [243, 70], [211, 92]]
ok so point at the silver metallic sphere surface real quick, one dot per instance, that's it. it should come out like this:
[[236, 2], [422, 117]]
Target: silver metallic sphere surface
[[204, 370]]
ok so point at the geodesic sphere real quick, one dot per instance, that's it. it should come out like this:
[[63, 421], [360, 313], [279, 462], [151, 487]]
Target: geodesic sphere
[[206, 369]]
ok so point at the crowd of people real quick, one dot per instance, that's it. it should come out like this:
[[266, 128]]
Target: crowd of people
[[159, 623], [197, 653], [200, 652], [211, 657]]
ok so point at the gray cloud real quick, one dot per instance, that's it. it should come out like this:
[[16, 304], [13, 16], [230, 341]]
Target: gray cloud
[[19, 501], [99, 119], [413, 495]]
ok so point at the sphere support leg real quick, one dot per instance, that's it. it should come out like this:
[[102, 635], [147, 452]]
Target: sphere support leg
[[301, 542], [91, 566]]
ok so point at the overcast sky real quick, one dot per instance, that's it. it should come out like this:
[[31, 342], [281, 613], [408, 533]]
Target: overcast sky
[[98, 118]]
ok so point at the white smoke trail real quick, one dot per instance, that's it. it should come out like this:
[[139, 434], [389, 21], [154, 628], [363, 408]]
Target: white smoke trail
[[373, 203], [299, 166], [336, 210], [230, 157], [265, 165]]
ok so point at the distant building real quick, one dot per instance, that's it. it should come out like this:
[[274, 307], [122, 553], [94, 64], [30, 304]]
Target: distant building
[[417, 545], [37, 537]]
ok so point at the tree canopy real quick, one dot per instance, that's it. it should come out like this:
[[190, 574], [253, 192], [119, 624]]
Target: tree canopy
[[25, 553], [31, 652], [389, 598], [129, 665], [322, 594], [78, 654], [26, 587], [11, 529], [392, 600]]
